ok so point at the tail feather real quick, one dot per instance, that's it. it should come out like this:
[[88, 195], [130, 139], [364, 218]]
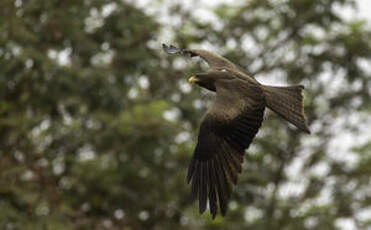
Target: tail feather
[[288, 103]]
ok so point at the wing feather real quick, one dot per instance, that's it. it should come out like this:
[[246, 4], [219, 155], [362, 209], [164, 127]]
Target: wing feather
[[222, 186], [195, 181], [228, 168], [191, 169], [203, 187], [212, 193], [233, 159], [222, 141]]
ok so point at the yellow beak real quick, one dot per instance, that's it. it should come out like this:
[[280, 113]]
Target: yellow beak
[[193, 79]]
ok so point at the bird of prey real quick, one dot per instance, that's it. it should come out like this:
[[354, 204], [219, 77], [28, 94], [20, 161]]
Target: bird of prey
[[230, 125]]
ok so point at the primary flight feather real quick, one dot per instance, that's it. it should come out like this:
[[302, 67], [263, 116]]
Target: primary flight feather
[[230, 125]]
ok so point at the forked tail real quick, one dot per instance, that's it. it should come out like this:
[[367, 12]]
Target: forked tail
[[288, 103]]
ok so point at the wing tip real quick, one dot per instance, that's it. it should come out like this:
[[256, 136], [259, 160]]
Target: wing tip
[[201, 209], [306, 130], [171, 49]]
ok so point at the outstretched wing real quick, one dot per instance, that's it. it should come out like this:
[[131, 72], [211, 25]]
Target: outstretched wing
[[226, 131], [215, 61]]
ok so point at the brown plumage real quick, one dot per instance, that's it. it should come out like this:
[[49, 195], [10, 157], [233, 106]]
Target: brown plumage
[[230, 125]]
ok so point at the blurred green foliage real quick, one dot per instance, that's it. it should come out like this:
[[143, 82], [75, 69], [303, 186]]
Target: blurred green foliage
[[97, 125]]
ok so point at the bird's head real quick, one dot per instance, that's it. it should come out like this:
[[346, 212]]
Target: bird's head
[[207, 80]]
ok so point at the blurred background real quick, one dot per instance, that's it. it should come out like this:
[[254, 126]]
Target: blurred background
[[98, 125]]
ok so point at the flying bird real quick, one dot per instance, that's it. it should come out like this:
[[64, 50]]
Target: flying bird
[[230, 125]]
